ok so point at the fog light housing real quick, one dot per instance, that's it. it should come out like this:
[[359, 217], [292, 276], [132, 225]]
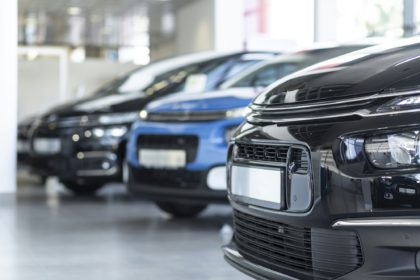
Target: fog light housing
[[216, 178], [396, 150]]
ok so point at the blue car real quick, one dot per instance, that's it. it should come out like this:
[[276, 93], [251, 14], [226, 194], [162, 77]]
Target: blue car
[[177, 152]]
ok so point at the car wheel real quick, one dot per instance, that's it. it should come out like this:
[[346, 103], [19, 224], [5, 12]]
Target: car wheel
[[82, 189], [182, 210]]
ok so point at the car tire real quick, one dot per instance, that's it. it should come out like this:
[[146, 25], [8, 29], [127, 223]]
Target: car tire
[[82, 189], [178, 210]]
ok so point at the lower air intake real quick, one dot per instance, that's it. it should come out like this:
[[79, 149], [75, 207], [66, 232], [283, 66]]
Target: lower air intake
[[304, 253]]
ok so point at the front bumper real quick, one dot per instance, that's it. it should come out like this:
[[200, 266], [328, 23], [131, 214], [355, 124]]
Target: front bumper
[[233, 257], [194, 183], [391, 250], [174, 186], [82, 155], [345, 195]]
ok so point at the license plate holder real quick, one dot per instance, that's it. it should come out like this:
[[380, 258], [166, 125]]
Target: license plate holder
[[258, 185], [47, 146], [162, 158]]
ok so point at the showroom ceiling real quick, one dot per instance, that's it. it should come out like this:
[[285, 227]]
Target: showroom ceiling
[[99, 7], [96, 22]]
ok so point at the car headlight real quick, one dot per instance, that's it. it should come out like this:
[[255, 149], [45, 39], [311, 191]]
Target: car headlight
[[143, 114], [118, 118], [394, 150], [115, 132], [238, 113], [400, 104]]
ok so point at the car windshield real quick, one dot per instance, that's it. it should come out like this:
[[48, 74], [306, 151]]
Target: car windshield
[[113, 85], [267, 75], [215, 72]]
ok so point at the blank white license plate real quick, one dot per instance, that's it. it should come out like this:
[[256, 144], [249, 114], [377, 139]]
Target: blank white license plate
[[167, 159], [47, 146], [257, 185]]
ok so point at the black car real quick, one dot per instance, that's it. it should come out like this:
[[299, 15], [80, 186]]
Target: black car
[[83, 143], [324, 177]]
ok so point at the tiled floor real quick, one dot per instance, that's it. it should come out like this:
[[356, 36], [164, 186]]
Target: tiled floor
[[48, 234]]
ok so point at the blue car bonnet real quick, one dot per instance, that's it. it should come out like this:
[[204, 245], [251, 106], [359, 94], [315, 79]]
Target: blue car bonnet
[[210, 101]]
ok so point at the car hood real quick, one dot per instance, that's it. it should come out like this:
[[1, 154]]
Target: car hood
[[101, 103], [377, 69], [209, 101]]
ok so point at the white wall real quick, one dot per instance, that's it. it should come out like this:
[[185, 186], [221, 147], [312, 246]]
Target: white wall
[[325, 22], [8, 104], [195, 27], [229, 30], [38, 90], [162, 50]]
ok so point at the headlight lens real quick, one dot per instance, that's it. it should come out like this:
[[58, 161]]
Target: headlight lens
[[400, 104], [143, 114], [394, 150], [115, 132], [118, 118], [238, 113]]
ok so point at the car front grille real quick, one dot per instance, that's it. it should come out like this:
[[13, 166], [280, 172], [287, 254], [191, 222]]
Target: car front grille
[[186, 116], [189, 143], [274, 153], [180, 179], [302, 252], [315, 110], [262, 152], [306, 94]]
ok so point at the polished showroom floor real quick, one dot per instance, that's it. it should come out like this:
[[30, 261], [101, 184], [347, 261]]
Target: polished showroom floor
[[48, 234]]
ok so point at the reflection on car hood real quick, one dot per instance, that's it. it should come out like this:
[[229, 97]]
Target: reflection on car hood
[[372, 70], [101, 103], [208, 101]]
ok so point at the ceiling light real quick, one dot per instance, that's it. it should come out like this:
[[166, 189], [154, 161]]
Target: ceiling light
[[74, 11]]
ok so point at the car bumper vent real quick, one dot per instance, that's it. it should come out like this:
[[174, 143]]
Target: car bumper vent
[[262, 152], [304, 253]]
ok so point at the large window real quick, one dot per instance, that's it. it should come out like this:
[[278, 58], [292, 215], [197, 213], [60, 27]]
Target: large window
[[374, 18]]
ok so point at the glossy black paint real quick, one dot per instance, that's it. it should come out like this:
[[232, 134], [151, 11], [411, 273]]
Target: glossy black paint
[[364, 72], [345, 184]]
